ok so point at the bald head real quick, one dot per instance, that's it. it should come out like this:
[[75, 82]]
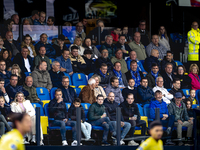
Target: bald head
[[155, 53], [195, 25], [111, 97], [133, 55], [29, 81]]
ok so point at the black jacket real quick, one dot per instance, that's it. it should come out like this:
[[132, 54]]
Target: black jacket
[[127, 48], [164, 62], [5, 111], [129, 76], [149, 61], [58, 49], [185, 81], [72, 113], [107, 61], [126, 91], [104, 80], [144, 94], [167, 81], [173, 92], [8, 46], [65, 96], [56, 78], [90, 65], [94, 33]]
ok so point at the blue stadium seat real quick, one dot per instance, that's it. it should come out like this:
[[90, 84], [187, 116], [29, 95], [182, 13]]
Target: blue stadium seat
[[86, 106], [194, 106], [147, 111], [27, 74], [98, 47], [198, 96], [186, 92], [70, 81], [43, 93], [41, 108], [79, 79], [140, 110], [78, 90], [178, 62], [68, 105], [168, 90], [51, 60], [90, 75], [52, 92]]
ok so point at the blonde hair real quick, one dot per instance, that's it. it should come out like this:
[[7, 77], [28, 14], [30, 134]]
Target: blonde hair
[[96, 76], [15, 100], [1, 97], [16, 66], [76, 38], [194, 65]]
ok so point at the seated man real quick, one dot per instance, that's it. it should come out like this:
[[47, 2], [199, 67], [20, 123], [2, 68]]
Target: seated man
[[24, 60], [13, 88], [69, 93], [97, 117], [152, 59], [168, 76], [79, 30], [58, 111], [41, 56], [87, 93], [119, 57], [50, 51], [4, 73], [3, 91], [130, 89], [131, 114], [166, 96], [177, 88], [168, 59], [152, 75], [90, 64], [104, 59], [41, 77], [77, 61], [134, 73], [104, 75], [114, 87], [121, 76], [179, 110], [65, 62], [28, 86], [111, 106], [156, 45], [56, 75], [41, 20], [115, 34], [145, 94], [133, 56]]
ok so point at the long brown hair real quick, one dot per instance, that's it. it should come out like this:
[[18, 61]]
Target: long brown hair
[[159, 33]]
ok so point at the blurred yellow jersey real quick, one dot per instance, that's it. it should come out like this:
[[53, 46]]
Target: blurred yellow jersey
[[12, 140], [151, 144]]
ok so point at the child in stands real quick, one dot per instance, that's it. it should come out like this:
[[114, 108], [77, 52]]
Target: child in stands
[[85, 126], [190, 111], [192, 98]]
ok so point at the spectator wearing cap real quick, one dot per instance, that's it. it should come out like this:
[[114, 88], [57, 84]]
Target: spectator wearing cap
[[65, 62], [89, 62], [78, 43], [168, 59], [59, 45], [50, 51], [119, 57], [41, 20], [79, 30]]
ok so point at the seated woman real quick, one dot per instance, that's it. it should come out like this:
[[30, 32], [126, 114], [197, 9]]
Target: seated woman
[[20, 105], [6, 55], [185, 79], [98, 90], [78, 43], [193, 74], [17, 71], [88, 45]]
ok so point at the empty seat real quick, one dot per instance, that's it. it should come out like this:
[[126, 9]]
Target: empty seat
[[27, 74], [90, 75], [79, 79], [43, 93], [186, 92], [52, 92], [77, 90]]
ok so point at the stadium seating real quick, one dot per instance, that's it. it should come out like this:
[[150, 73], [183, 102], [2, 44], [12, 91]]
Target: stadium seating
[[198, 96], [70, 81], [52, 92], [90, 75], [186, 92], [51, 60], [43, 93], [178, 62], [147, 112], [40, 106], [79, 79], [77, 90], [98, 47], [27, 74]]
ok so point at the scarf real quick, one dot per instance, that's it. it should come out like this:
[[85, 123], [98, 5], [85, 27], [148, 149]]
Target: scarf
[[104, 75], [137, 80], [119, 76], [154, 75]]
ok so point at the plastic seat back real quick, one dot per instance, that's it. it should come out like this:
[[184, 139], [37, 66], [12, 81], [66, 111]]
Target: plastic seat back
[[79, 79], [140, 110], [52, 92], [186, 92], [40, 106], [70, 80], [43, 93]]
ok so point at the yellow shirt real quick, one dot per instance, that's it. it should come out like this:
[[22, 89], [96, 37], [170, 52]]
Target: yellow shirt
[[12, 140], [151, 144]]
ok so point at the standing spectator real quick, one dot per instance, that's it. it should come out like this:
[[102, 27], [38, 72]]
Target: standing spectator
[[115, 34], [58, 111], [50, 51], [179, 110], [3, 92], [24, 60], [97, 117], [156, 45], [59, 45], [28, 86], [144, 33], [50, 21], [69, 93], [185, 79], [119, 58], [193, 74], [127, 35], [34, 16], [15, 17], [177, 88], [89, 62], [111, 107], [166, 96], [138, 47], [193, 41], [88, 45], [109, 46], [11, 44], [130, 89], [104, 59], [133, 73], [6, 56], [118, 73], [163, 38], [152, 59], [114, 87], [168, 76], [65, 62], [123, 46], [168, 59], [41, 77], [17, 71], [78, 43], [4, 73], [145, 94], [79, 30], [77, 61], [56, 75], [104, 74], [13, 88], [87, 93], [41, 56], [41, 20], [152, 75], [28, 42]]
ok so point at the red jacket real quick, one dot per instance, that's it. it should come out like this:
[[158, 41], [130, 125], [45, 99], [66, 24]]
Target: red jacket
[[115, 36], [195, 81]]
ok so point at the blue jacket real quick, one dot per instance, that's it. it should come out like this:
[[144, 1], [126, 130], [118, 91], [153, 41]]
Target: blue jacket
[[156, 104], [144, 94], [56, 78], [50, 51], [6, 77], [65, 96], [36, 22], [149, 61], [65, 64], [139, 65]]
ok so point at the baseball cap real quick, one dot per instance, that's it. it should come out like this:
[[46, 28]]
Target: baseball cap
[[178, 95]]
